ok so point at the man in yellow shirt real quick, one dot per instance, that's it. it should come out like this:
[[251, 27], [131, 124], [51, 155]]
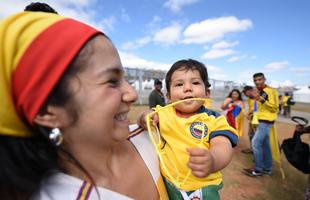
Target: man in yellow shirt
[[247, 91], [267, 112]]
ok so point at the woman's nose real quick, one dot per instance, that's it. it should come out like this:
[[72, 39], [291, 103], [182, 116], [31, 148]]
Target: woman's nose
[[129, 94]]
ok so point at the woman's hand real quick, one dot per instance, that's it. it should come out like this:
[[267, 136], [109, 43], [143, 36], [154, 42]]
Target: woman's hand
[[226, 103], [141, 120]]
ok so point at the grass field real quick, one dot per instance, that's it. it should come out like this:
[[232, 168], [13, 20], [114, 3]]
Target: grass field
[[238, 186]]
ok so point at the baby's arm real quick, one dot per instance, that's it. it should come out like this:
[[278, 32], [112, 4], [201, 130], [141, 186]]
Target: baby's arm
[[203, 162]]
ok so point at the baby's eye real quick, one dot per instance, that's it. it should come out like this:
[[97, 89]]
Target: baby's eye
[[196, 83], [179, 84]]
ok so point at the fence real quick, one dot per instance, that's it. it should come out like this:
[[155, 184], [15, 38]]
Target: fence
[[143, 81]]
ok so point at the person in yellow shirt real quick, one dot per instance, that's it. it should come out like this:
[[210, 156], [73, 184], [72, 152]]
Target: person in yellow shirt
[[247, 91], [286, 105], [184, 126], [267, 112]]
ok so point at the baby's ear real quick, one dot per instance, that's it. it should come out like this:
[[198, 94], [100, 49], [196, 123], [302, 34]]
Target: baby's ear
[[168, 96], [208, 93]]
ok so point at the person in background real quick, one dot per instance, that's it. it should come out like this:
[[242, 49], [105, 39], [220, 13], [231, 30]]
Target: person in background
[[233, 108], [267, 112], [247, 91], [40, 7], [286, 99], [65, 132], [280, 104], [156, 97]]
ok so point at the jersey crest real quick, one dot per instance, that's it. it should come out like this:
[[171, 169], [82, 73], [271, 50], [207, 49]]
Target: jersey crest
[[197, 129]]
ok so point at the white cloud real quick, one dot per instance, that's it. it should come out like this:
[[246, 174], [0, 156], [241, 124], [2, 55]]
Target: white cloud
[[236, 58], [275, 83], [154, 24], [213, 29], [133, 61], [223, 44], [300, 70], [219, 76], [276, 66], [124, 15], [217, 53], [168, 35], [287, 83], [78, 9], [214, 69], [176, 5], [107, 24], [136, 44]]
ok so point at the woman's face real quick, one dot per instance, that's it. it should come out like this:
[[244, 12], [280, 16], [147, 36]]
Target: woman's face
[[101, 98], [235, 95]]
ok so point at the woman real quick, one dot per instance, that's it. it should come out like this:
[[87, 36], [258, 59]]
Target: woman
[[64, 126], [233, 108]]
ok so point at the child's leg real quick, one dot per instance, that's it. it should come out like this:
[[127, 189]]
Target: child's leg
[[172, 191], [206, 193], [212, 192]]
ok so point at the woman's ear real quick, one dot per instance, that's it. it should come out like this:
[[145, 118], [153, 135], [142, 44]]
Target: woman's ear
[[49, 118]]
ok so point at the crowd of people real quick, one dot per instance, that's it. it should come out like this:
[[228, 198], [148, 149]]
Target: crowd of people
[[66, 135]]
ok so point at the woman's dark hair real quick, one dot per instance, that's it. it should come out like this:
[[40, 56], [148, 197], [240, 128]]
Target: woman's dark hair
[[40, 7], [25, 161], [189, 64], [239, 93]]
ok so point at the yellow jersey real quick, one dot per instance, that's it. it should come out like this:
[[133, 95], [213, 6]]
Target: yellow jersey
[[268, 110], [181, 133]]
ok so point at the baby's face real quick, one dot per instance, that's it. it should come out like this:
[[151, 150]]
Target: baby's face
[[187, 84]]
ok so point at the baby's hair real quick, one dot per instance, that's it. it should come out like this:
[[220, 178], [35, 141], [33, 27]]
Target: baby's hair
[[186, 65]]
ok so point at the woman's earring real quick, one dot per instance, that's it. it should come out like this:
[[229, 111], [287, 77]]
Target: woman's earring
[[55, 137]]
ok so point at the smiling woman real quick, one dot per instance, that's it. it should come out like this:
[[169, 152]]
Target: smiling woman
[[65, 102]]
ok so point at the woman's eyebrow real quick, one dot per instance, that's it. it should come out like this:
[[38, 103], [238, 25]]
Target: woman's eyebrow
[[116, 71]]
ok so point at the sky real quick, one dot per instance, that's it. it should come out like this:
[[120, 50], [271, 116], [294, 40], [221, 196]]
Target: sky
[[233, 38]]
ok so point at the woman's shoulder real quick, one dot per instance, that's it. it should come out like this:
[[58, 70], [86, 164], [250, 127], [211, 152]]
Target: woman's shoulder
[[62, 186]]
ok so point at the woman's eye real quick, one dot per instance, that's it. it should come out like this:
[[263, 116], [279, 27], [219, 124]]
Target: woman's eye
[[114, 82]]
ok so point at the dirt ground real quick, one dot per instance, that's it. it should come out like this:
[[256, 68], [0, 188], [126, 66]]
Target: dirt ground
[[238, 186]]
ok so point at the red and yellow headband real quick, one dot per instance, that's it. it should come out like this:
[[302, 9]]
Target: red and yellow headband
[[35, 50]]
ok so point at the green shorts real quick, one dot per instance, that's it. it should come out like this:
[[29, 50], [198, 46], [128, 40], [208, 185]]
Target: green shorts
[[210, 192]]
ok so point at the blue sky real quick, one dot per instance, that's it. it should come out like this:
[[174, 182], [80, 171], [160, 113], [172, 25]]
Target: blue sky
[[234, 38]]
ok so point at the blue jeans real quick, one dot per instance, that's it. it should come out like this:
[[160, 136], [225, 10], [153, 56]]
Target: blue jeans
[[261, 147]]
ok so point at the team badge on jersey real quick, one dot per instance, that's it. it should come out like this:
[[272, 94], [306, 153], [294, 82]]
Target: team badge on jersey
[[197, 129]]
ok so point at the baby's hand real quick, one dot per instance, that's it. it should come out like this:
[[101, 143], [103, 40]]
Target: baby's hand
[[141, 121], [201, 162]]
